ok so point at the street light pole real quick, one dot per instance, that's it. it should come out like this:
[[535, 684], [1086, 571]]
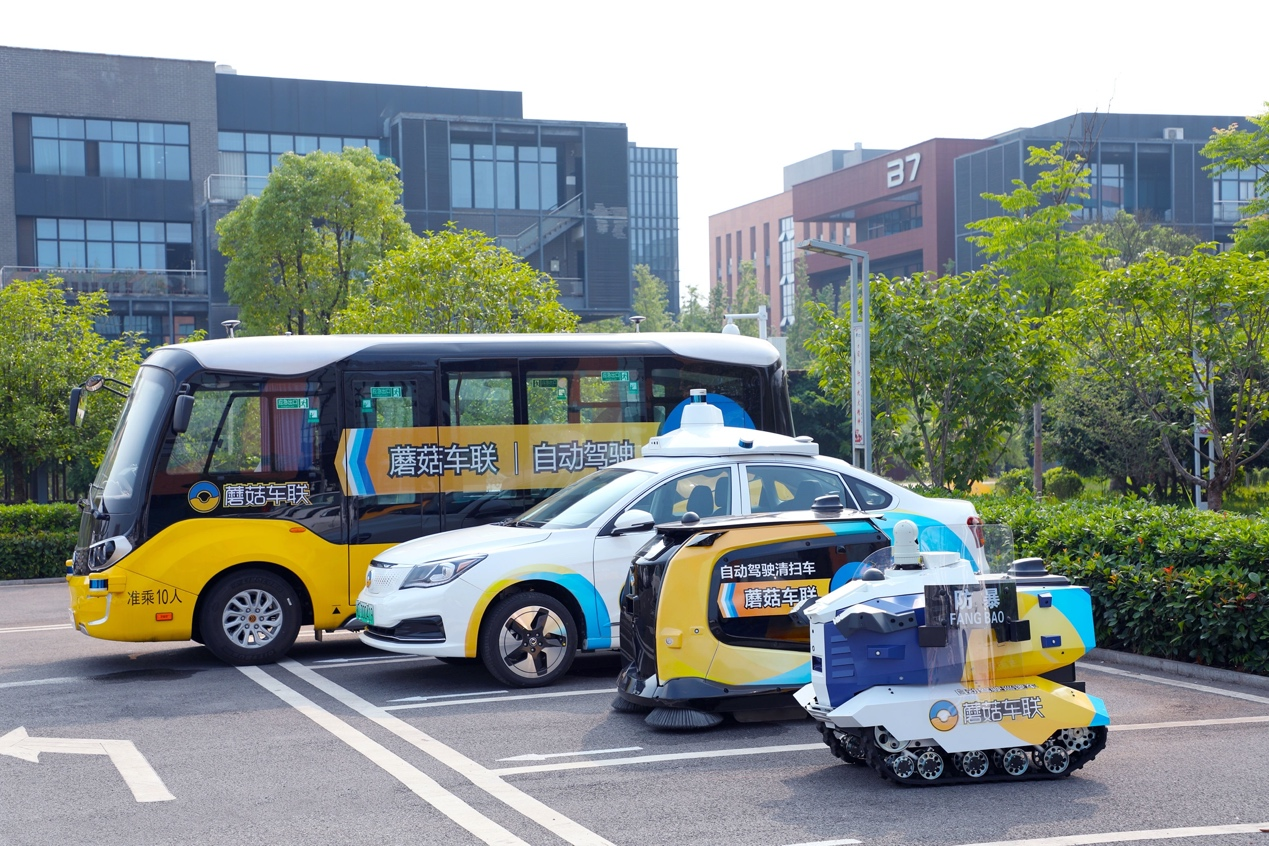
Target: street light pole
[[860, 347]]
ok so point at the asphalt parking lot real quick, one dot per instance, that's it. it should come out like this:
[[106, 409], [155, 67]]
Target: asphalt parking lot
[[114, 743]]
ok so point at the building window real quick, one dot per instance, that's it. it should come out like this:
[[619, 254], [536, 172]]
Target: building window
[[121, 149], [889, 223], [113, 245], [1231, 192], [503, 176], [257, 153], [1106, 192]]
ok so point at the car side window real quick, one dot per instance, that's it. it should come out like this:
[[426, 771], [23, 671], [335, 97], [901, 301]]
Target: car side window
[[790, 488], [871, 498], [706, 492]]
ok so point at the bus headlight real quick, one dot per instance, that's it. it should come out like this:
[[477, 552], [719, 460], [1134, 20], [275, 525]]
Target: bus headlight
[[435, 573], [108, 552]]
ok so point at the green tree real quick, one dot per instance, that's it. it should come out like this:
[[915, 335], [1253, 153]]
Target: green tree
[[1232, 150], [1190, 335], [455, 281], [1129, 237], [945, 359], [652, 300], [1036, 248], [803, 326], [1101, 428], [298, 250], [47, 346], [704, 317]]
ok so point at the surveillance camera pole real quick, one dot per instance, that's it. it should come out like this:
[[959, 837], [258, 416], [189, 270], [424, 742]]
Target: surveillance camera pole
[[760, 315]]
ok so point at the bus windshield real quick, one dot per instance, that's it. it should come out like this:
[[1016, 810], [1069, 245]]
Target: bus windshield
[[116, 486]]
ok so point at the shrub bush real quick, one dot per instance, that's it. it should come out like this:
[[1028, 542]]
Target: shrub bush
[[1168, 582], [36, 540], [1013, 481], [1062, 483]]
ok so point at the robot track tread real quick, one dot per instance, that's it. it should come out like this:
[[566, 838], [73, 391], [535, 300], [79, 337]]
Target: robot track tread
[[906, 766]]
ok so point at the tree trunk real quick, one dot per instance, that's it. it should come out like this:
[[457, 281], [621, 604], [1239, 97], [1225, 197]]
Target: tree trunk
[[1037, 457]]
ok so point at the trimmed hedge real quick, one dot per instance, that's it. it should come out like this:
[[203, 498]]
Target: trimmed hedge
[[1169, 582], [36, 540]]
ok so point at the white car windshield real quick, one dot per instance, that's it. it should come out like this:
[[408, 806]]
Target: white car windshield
[[582, 502]]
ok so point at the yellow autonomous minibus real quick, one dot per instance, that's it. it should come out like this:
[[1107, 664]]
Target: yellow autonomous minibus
[[250, 481]]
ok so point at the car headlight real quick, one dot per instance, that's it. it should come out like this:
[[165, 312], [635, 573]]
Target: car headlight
[[435, 573]]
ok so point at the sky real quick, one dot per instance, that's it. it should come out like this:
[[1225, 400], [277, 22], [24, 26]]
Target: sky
[[740, 88]]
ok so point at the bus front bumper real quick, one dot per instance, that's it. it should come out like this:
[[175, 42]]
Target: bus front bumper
[[117, 605]]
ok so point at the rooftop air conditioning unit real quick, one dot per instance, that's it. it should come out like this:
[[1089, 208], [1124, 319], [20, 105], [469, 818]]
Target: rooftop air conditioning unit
[[1173, 133]]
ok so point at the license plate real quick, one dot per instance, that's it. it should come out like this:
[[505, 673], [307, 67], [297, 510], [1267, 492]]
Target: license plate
[[366, 613]]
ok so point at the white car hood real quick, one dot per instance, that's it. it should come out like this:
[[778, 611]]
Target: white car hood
[[475, 540]]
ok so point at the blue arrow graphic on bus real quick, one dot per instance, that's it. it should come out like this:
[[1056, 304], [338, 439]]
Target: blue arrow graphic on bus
[[358, 472]]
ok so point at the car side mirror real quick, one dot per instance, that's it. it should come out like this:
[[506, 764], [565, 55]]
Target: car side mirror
[[634, 520], [181, 414]]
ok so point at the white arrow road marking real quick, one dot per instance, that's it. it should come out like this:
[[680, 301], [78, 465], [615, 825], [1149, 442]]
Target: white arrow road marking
[[543, 756], [137, 773]]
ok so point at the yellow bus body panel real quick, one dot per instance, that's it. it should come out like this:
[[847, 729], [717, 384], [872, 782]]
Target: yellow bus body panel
[[167, 573]]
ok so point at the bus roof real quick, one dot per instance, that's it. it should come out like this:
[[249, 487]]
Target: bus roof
[[293, 355]]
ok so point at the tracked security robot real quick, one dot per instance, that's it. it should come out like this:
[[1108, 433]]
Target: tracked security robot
[[932, 670]]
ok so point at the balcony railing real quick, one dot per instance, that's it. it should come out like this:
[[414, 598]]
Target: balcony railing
[[1228, 211], [230, 188], [117, 282]]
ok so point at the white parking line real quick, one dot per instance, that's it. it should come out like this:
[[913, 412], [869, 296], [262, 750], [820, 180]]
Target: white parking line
[[1227, 721], [845, 842], [542, 756], [552, 695], [670, 756], [448, 696], [804, 747], [21, 629], [1130, 836], [419, 783], [485, 779], [34, 682], [1250, 697]]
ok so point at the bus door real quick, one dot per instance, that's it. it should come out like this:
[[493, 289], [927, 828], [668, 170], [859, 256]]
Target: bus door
[[398, 499]]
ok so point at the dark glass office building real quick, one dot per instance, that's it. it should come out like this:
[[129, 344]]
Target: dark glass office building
[[1149, 165], [654, 214], [118, 169]]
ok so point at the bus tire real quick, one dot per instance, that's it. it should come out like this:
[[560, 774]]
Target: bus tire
[[528, 639], [252, 617]]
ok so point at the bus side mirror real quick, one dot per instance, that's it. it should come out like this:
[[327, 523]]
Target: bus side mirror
[[181, 414], [76, 415]]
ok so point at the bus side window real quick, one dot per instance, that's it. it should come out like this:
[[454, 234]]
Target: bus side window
[[479, 398]]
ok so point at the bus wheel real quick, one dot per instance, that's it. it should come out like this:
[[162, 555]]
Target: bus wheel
[[528, 639], [251, 618]]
